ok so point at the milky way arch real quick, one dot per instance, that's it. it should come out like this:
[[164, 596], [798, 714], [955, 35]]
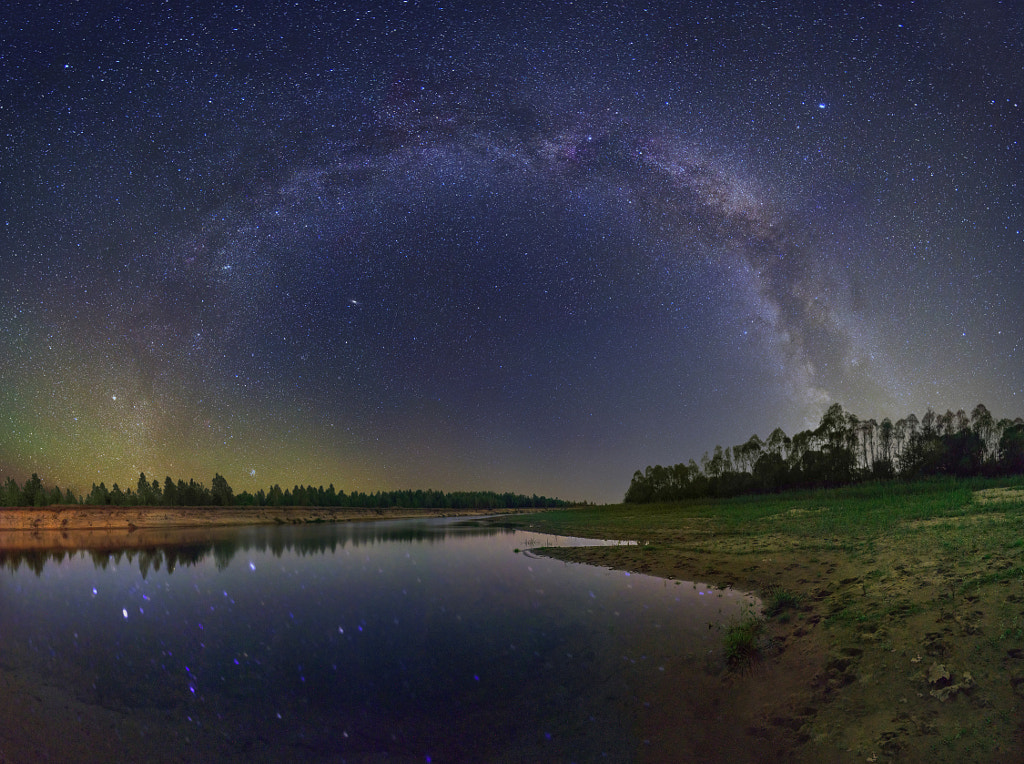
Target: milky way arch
[[348, 217]]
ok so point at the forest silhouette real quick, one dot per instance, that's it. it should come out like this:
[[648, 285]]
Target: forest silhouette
[[195, 494], [843, 450]]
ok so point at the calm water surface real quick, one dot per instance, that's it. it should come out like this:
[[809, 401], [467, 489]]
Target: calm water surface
[[425, 640]]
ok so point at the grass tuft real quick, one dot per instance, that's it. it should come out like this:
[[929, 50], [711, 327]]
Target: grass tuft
[[779, 601], [742, 641]]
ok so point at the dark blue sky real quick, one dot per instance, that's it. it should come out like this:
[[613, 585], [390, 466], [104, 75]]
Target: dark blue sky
[[531, 248]]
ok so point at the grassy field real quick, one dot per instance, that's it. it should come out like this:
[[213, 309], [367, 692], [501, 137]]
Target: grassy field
[[893, 626]]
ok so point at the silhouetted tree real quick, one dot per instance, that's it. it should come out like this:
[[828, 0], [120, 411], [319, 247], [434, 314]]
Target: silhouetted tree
[[170, 492], [771, 472], [34, 495], [11, 495], [886, 433], [98, 495], [221, 493], [1011, 449], [984, 426], [117, 497]]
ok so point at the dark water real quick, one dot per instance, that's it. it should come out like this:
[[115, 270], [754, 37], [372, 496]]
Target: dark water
[[393, 641]]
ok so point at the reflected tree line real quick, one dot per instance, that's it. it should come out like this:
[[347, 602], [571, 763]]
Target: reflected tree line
[[842, 450], [326, 539], [219, 494]]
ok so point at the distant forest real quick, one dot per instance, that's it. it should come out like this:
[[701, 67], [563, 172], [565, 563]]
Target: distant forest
[[192, 494], [842, 450]]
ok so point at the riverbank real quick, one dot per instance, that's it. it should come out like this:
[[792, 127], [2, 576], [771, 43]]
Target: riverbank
[[906, 641], [76, 527]]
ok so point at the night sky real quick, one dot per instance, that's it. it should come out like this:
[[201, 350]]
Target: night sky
[[523, 247]]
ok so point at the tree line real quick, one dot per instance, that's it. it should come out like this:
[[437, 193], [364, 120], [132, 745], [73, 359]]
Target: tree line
[[842, 450], [195, 494]]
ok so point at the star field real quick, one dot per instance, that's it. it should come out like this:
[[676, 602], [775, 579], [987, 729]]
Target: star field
[[420, 245]]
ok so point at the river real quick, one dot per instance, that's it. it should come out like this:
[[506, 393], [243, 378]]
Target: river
[[409, 640]]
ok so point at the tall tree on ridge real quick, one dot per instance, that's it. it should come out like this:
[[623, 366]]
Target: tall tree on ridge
[[984, 425]]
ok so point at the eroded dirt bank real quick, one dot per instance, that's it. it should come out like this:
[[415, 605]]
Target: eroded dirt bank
[[77, 527]]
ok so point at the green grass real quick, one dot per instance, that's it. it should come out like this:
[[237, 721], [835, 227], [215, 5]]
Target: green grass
[[896, 573], [742, 641], [849, 514], [779, 602]]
